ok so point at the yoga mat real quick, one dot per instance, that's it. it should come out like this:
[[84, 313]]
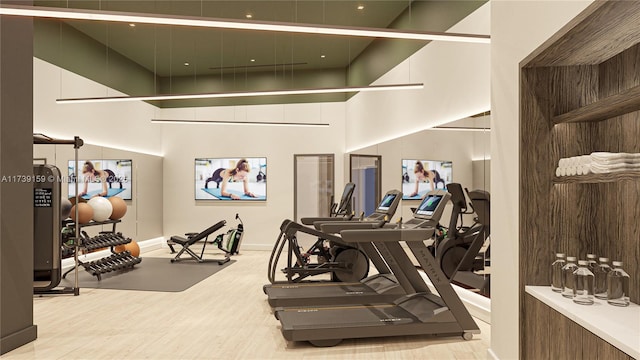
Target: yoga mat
[[216, 193], [152, 274], [110, 193], [416, 197]]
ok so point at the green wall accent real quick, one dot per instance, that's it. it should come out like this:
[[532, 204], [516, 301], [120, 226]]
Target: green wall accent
[[62, 45], [384, 54]]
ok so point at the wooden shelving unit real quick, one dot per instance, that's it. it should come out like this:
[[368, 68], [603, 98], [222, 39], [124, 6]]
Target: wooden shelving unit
[[579, 93]]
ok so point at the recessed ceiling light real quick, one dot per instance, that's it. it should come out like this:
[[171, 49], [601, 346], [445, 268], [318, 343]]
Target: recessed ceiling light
[[132, 25], [253, 60], [186, 64], [249, 16], [360, 7], [322, 56]]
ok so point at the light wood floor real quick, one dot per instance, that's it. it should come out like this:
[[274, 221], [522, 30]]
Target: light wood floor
[[223, 317]]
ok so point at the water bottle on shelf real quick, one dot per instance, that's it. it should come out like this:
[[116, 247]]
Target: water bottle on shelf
[[583, 284], [618, 286], [593, 262], [556, 272], [567, 277], [600, 275]]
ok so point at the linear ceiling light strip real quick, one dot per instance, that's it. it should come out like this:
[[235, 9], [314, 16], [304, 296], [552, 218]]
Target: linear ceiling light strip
[[235, 94], [140, 18], [459, 128], [220, 122]]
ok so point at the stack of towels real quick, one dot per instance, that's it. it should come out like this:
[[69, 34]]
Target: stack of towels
[[598, 163]]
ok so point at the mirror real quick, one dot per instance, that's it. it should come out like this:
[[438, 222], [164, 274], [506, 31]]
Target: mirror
[[464, 145], [142, 180]]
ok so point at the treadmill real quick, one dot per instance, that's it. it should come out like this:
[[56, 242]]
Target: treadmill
[[382, 287], [420, 312]]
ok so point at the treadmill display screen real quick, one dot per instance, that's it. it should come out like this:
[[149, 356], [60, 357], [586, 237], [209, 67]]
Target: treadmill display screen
[[428, 205], [386, 202]]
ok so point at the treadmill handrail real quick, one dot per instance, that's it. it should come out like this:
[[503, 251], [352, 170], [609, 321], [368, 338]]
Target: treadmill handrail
[[387, 235], [292, 227], [337, 226]]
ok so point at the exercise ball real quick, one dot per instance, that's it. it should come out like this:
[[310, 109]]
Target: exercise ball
[[132, 247], [80, 199], [119, 207], [65, 208], [85, 213], [101, 208]]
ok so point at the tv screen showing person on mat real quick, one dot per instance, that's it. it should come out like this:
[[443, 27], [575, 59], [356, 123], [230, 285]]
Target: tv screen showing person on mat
[[231, 178], [421, 176], [99, 177]]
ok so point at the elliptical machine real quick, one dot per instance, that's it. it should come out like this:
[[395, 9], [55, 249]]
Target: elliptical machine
[[459, 254], [344, 262]]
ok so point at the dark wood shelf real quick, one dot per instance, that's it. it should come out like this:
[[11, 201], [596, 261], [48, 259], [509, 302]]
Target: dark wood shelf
[[615, 105], [633, 175]]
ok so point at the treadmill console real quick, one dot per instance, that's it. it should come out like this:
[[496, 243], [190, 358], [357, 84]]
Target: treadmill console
[[430, 210], [389, 203]]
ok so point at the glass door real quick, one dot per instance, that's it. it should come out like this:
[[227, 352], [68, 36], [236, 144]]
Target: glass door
[[313, 185], [365, 172]]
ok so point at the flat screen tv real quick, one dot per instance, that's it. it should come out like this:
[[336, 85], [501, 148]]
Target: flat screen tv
[[421, 176], [239, 178], [104, 177]]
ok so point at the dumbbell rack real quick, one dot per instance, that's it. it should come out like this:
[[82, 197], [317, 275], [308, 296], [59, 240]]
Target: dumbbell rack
[[110, 239]]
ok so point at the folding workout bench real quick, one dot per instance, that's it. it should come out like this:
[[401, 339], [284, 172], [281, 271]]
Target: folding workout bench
[[191, 239]]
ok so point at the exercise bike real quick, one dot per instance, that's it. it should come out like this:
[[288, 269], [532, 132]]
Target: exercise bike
[[459, 253]]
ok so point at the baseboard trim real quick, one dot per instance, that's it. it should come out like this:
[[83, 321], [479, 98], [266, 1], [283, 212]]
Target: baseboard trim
[[18, 338]]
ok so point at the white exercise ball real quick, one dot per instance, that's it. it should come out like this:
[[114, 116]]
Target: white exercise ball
[[101, 208]]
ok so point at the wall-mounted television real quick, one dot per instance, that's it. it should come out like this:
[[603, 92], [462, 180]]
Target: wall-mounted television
[[421, 176], [239, 178], [100, 177]]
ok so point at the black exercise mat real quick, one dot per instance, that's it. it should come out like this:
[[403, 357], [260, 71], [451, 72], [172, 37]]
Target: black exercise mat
[[152, 274]]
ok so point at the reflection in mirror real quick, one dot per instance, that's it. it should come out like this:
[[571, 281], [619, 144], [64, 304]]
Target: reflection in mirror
[[465, 144], [141, 177], [365, 172]]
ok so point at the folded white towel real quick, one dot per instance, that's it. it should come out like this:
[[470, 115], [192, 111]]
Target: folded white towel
[[571, 171], [597, 168], [559, 171], [607, 158], [585, 169]]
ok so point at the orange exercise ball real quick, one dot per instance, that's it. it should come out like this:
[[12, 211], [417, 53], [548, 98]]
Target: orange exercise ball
[[132, 247], [119, 207], [85, 213], [80, 199]]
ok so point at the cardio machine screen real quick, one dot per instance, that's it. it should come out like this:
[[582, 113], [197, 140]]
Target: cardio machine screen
[[386, 202], [429, 205]]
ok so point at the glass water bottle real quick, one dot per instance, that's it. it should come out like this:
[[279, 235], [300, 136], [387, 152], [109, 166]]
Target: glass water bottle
[[583, 284], [618, 286], [593, 262], [600, 274], [556, 272], [567, 277]]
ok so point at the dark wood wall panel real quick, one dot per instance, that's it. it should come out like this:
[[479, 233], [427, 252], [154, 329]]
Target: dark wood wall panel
[[536, 323], [620, 72], [535, 167], [585, 79]]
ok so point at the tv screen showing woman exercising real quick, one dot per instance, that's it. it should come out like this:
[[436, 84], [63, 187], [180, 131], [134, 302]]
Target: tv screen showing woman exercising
[[231, 178], [100, 177], [421, 176]]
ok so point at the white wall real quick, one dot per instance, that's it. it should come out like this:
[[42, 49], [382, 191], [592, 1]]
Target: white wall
[[456, 79], [183, 143], [517, 28], [123, 125]]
